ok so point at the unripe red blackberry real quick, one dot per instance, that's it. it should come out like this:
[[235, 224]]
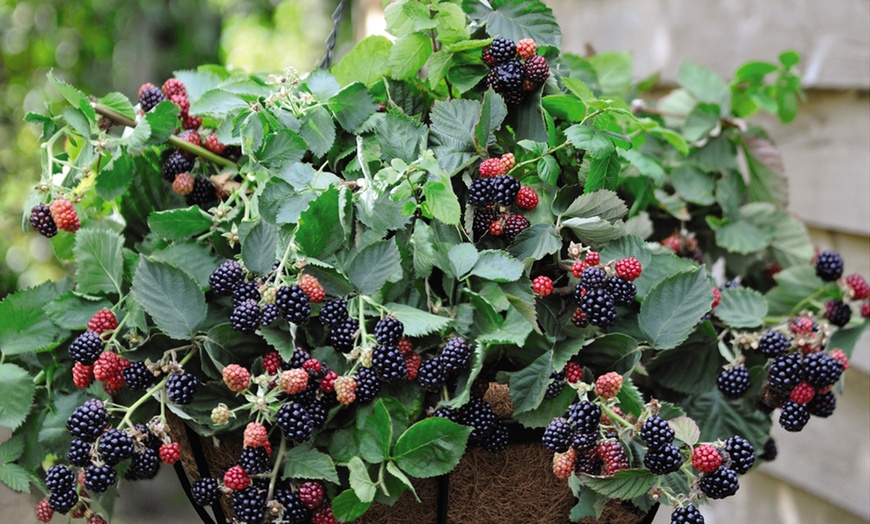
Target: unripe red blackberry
[[311, 493], [496, 227], [492, 167], [573, 372], [214, 145], [706, 458], [717, 297], [170, 452], [857, 287], [64, 215], [41, 221], [236, 478], [527, 198], [183, 184], [802, 393], [608, 385], [593, 258], [294, 381], [526, 48], [345, 390], [542, 286], [312, 288], [412, 365], [44, 511], [255, 435], [82, 375], [236, 377], [563, 463], [102, 321], [628, 268], [537, 70], [514, 225], [613, 455], [174, 87], [323, 515], [508, 160], [577, 268]]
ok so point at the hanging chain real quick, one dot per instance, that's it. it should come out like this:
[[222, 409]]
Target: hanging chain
[[333, 35]]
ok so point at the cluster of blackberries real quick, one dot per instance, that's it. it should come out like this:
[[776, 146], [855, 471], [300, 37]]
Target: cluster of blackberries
[[493, 193], [662, 456], [387, 360], [738, 456], [343, 329], [59, 214], [598, 293], [489, 430], [516, 70], [435, 371]]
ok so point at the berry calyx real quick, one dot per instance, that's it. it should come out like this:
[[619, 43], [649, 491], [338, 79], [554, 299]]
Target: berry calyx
[[542, 286], [608, 385], [628, 268], [706, 458], [64, 215], [527, 198]]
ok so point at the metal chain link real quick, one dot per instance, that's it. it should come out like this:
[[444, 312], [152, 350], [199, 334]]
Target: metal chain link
[[333, 35]]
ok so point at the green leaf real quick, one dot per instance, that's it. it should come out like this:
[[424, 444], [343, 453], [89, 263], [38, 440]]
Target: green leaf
[[701, 122], [685, 430], [25, 328], [692, 367], [452, 27], [625, 484], [517, 19], [114, 179], [12, 449], [514, 330], [375, 432], [394, 470], [408, 55], [630, 399], [671, 137], [441, 201], [564, 107], [595, 142], [604, 204], [119, 103], [374, 265], [793, 286], [646, 165], [178, 224], [625, 247], [318, 130], [252, 132], [767, 182], [431, 447], [162, 120], [217, 103], [673, 308], [99, 263], [280, 203], [305, 462], [741, 308], [400, 136], [75, 97], [694, 185], [579, 88], [259, 247], [319, 234], [71, 311], [18, 396], [347, 507], [462, 259], [614, 71], [529, 385], [137, 141], [196, 83], [548, 170], [16, 478], [547, 411], [791, 243], [352, 106], [172, 298], [197, 260], [53, 433], [497, 266], [720, 418], [366, 62], [452, 132], [594, 230], [535, 243], [611, 352], [603, 173], [741, 236], [281, 148], [847, 339], [360, 481], [705, 86]]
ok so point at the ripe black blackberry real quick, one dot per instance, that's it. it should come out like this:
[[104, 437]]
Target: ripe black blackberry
[[59, 478], [367, 385], [733, 382], [480, 193], [294, 422], [514, 225], [584, 416], [593, 278], [63, 501], [584, 441], [785, 372], [318, 410], [293, 304], [144, 465], [203, 193], [622, 291], [558, 436], [99, 478], [245, 291], [333, 312], [773, 344], [720, 484], [41, 221], [510, 77], [181, 388], [478, 414], [175, 162], [389, 363], [205, 491], [770, 452], [829, 266], [270, 313], [388, 331], [537, 70], [793, 416], [86, 348], [150, 97], [822, 370], [741, 452], [249, 505], [555, 388], [148, 439], [663, 460], [246, 317], [838, 312], [497, 440], [138, 377], [226, 277], [342, 336], [483, 217], [114, 446], [822, 405], [78, 453], [588, 462], [299, 356], [656, 432], [88, 420], [456, 355], [254, 460], [502, 49], [599, 308], [431, 375], [505, 189], [687, 515], [295, 511]]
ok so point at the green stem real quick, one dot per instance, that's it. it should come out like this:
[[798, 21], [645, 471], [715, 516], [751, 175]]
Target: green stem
[[273, 477], [381, 482], [536, 159], [148, 394], [614, 417]]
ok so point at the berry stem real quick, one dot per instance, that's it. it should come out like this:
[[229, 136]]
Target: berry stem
[[148, 394], [273, 476], [615, 417]]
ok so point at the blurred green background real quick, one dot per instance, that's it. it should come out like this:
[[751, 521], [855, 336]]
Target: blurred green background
[[116, 45]]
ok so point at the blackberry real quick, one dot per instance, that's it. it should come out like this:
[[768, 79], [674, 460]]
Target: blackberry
[[99, 478], [205, 491], [245, 291], [294, 422], [63, 501], [295, 511], [578, 294], [431, 375], [246, 317], [785, 372], [554, 389], [79, 452], [599, 308], [829, 266], [148, 439], [317, 412], [298, 358], [584, 416], [333, 312], [656, 432], [478, 414], [143, 465], [88, 420], [452, 415], [293, 304], [663, 460], [181, 388], [793, 416], [270, 313], [614, 456], [822, 405], [497, 440], [514, 225], [174, 163], [86, 348], [114, 446], [773, 344], [389, 363], [487, 57], [367, 385], [588, 462], [342, 336], [249, 505], [138, 377], [837, 312], [584, 441], [622, 291], [733, 382], [719, 484], [59, 478], [483, 217], [741, 452], [254, 460], [388, 331], [456, 355], [770, 452], [509, 77], [491, 79], [203, 193], [41, 221], [593, 278], [558, 436], [505, 189], [480, 193], [226, 277], [687, 515], [502, 49], [150, 97], [822, 370], [537, 70], [513, 97]]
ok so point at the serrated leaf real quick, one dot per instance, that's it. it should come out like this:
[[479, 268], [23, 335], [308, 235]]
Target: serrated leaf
[[75, 97], [400, 136], [614, 72], [791, 243], [217, 103], [162, 121], [259, 246], [360, 481], [720, 418], [612, 352], [462, 259], [705, 85], [305, 462], [529, 385], [767, 182], [408, 55], [70, 311], [119, 103], [793, 286], [366, 62], [673, 308], [497, 266], [514, 330], [741, 308], [25, 328], [178, 224], [374, 265], [417, 322], [12, 449], [646, 165], [694, 185], [352, 106], [741, 236], [99, 263], [630, 399], [690, 368], [374, 432], [347, 507], [452, 132], [628, 246], [625, 484], [594, 230], [441, 202], [686, 430], [114, 179], [595, 142], [535, 243], [281, 148], [18, 396], [318, 130], [604, 204], [430, 447], [197, 260], [517, 19], [603, 173], [172, 298], [280, 203], [53, 433], [319, 234], [15, 477]]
